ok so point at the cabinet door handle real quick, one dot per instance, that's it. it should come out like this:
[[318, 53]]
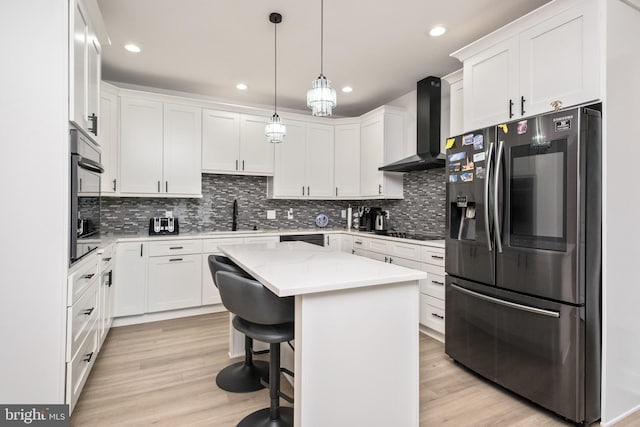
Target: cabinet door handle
[[80, 184], [437, 283], [94, 124], [303, 190], [176, 247], [114, 185], [166, 186], [390, 260], [437, 257], [510, 108], [141, 244], [386, 259], [522, 101], [158, 186], [379, 188], [353, 251], [107, 259], [236, 165], [175, 259], [308, 191], [357, 242], [89, 311], [88, 357], [88, 276], [110, 278], [437, 315], [243, 165], [336, 191]]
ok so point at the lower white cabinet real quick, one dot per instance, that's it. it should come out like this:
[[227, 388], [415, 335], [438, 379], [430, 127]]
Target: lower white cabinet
[[105, 294], [174, 282], [131, 277]]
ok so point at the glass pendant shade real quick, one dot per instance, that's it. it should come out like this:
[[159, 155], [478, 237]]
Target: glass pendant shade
[[321, 98], [275, 131]]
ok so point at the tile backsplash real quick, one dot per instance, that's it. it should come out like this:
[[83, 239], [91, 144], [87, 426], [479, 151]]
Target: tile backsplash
[[421, 211]]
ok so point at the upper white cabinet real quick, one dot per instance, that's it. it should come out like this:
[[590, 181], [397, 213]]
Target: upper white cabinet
[[160, 148], [234, 143], [347, 160], [84, 69], [456, 103], [108, 138], [381, 142], [547, 58], [304, 162]]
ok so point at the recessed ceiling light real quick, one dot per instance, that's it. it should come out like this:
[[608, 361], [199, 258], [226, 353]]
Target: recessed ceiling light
[[241, 86], [132, 48], [347, 89], [437, 31]]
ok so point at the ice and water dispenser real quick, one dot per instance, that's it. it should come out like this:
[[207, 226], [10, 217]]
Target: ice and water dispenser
[[462, 218]]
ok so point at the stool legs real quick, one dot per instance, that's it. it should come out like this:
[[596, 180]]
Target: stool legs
[[274, 416], [243, 377]]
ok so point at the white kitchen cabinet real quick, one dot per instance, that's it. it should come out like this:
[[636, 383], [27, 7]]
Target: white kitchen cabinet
[[381, 142], [108, 138], [106, 262], [84, 69], [551, 55], [210, 294], [130, 278], [160, 148], [174, 281], [456, 102], [234, 143], [304, 162], [347, 160]]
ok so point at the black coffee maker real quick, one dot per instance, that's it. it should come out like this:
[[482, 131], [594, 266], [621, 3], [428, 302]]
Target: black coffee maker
[[368, 219]]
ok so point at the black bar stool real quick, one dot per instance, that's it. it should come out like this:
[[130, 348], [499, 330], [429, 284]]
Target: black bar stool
[[245, 376], [263, 316]]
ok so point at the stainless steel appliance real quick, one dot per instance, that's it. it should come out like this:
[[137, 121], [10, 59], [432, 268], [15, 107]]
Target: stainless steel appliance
[[381, 221], [368, 218], [84, 235], [523, 257], [163, 225]]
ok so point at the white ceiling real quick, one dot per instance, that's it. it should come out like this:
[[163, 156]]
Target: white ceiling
[[380, 48]]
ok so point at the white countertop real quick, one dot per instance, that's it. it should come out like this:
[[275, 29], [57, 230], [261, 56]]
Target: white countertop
[[296, 268]]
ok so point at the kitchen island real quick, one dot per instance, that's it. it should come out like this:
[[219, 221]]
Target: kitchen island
[[356, 332]]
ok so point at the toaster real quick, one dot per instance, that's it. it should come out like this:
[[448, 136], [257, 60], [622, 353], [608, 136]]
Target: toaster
[[161, 226]]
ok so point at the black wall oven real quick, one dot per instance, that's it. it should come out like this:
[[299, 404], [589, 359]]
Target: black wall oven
[[86, 167]]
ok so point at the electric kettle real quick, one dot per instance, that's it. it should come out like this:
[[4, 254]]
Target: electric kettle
[[381, 221]]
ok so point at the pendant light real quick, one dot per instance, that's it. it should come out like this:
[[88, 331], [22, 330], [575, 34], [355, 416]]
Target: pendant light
[[275, 131], [321, 98]]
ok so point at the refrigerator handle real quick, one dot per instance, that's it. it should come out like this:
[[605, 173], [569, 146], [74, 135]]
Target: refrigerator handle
[[496, 182], [510, 304], [486, 198]]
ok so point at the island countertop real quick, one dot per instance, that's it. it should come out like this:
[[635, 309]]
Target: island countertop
[[297, 268]]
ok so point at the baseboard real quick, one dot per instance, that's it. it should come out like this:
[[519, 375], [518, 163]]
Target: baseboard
[[166, 315], [432, 333], [630, 413]]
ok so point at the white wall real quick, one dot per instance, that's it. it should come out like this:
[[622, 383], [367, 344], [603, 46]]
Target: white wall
[[34, 194], [621, 221]]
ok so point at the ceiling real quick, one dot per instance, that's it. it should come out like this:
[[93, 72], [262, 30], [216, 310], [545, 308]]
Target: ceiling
[[380, 48]]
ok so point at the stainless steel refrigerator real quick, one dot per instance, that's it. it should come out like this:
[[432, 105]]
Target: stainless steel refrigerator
[[523, 258]]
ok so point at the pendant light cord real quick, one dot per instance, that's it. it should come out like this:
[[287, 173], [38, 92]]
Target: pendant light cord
[[275, 68], [321, 35]]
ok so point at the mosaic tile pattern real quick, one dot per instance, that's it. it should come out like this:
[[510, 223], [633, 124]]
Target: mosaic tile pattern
[[421, 211]]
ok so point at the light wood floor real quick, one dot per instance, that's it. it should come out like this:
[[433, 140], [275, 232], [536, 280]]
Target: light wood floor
[[163, 374]]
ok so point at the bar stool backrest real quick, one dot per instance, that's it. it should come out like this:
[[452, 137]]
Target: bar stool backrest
[[222, 263]]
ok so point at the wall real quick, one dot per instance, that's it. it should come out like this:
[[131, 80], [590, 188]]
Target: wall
[[421, 211], [34, 187], [621, 234]]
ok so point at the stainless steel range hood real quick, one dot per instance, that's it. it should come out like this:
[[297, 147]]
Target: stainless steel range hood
[[428, 154]]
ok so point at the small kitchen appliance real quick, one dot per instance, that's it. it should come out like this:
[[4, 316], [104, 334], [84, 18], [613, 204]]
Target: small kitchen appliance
[[163, 226], [368, 218], [381, 222]]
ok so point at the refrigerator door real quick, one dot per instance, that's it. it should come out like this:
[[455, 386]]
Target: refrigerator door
[[538, 178], [469, 245], [530, 346]]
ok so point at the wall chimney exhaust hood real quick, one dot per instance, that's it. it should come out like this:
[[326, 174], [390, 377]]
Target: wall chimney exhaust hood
[[428, 154]]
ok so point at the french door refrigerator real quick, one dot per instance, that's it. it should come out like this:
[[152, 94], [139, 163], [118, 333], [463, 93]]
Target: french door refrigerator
[[523, 258]]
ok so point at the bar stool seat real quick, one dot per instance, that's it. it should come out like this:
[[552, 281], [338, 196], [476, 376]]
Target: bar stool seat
[[263, 316], [248, 375]]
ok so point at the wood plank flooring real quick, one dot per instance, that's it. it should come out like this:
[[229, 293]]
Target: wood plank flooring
[[163, 374]]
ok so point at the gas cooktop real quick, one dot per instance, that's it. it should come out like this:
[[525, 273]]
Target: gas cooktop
[[409, 235]]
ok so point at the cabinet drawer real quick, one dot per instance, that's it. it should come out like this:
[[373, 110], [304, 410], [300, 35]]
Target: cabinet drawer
[[432, 313], [379, 246], [81, 319], [175, 247], [79, 367], [412, 252], [81, 279], [434, 256], [211, 245], [106, 258], [433, 285]]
